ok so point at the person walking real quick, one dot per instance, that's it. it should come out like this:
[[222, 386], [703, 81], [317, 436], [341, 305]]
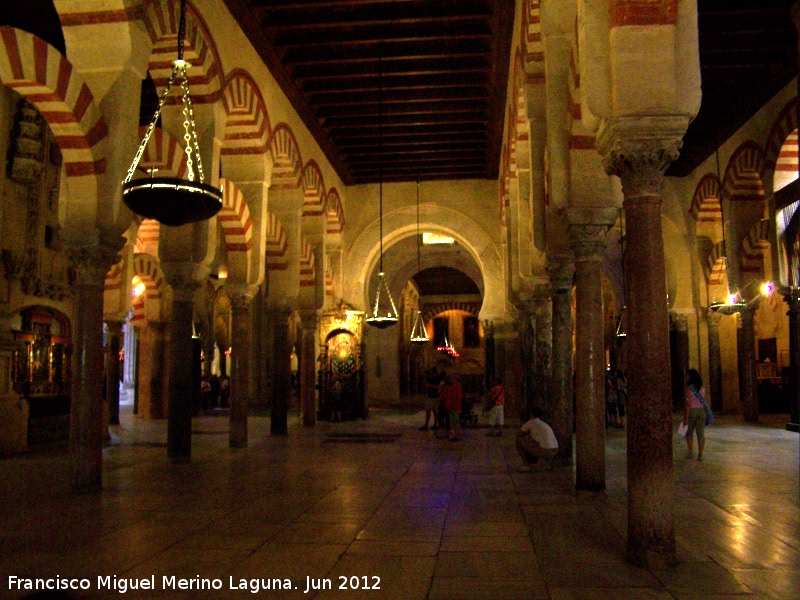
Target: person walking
[[453, 398], [432, 399], [497, 398], [694, 416], [536, 440]]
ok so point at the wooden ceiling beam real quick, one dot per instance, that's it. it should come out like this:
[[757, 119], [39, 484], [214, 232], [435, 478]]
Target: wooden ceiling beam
[[393, 33], [426, 66]]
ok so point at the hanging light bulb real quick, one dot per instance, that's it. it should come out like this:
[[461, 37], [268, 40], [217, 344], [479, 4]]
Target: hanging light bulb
[[384, 314], [174, 201], [418, 333]]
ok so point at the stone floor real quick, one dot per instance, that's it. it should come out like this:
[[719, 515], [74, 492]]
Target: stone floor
[[380, 499]]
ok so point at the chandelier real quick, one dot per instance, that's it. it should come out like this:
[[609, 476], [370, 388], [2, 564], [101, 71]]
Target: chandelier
[[174, 201], [384, 313], [448, 348], [418, 333]]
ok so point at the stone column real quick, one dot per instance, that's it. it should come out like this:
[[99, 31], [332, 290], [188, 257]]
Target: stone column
[[241, 299], [91, 264], [679, 329], [155, 381], [714, 361], [526, 342], [488, 344], [560, 389], [746, 350], [282, 370], [308, 361], [112, 370], [792, 297], [179, 420], [543, 340], [639, 152], [587, 229]]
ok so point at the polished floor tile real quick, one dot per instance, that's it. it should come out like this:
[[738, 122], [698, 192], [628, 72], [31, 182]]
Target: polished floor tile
[[310, 516]]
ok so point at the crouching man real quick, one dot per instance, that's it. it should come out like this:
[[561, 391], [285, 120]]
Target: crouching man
[[536, 440]]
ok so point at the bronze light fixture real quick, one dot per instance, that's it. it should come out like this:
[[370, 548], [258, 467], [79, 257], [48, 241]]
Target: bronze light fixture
[[418, 334], [384, 312], [174, 201], [733, 302]]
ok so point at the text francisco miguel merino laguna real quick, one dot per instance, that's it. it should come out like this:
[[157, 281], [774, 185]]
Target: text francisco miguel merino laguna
[[170, 582]]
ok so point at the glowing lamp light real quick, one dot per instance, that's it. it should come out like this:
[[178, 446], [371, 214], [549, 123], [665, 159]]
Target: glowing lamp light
[[138, 287], [222, 272], [435, 238], [767, 288], [228, 352]]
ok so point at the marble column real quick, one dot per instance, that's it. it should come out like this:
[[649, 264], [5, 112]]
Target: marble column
[[112, 370], [525, 329], [543, 340], [587, 230], [91, 264], [639, 152], [679, 330], [488, 345], [179, 420], [560, 388], [792, 297], [714, 361], [158, 368], [308, 358], [282, 370], [241, 300], [746, 354]]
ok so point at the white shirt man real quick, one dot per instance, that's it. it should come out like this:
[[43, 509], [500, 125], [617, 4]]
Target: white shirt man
[[536, 440]]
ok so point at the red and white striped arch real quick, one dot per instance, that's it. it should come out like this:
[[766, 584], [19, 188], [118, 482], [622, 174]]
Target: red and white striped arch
[[782, 147], [162, 153], [314, 197], [705, 202], [40, 73], [531, 38], [716, 264], [147, 268], [275, 245], [286, 160], [247, 128], [139, 308], [161, 19], [335, 211], [113, 281], [329, 291], [237, 231], [754, 249], [147, 237], [744, 174], [307, 268]]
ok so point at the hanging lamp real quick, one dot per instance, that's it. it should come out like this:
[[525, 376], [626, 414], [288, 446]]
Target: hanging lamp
[[174, 201], [622, 325], [419, 334], [384, 312], [733, 302]]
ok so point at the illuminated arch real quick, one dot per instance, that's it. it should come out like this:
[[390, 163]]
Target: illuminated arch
[[313, 190], [287, 163], [237, 231]]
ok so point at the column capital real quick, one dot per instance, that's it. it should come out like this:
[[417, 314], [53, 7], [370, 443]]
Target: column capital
[[241, 296], [587, 227], [184, 278], [562, 274], [639, 150], [91, 262], [791, 295], [308, 319]]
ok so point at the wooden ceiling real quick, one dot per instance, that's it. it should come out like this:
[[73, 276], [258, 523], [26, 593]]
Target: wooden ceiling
[[404, 87], [748, 53], [444, 67]]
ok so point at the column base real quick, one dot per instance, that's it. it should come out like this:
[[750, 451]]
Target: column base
[[650, 559], [590, 488], [180, 460], [237, 444], [793, 427]]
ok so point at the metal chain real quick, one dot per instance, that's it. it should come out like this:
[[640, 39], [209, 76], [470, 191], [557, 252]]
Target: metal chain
[[150, 128], [192, 129], [187, 136]]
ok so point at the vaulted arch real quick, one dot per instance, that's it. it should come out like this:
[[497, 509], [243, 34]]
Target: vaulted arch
[[247, 128], [782, 147], [161, 19], [237, 231], [314, 196], [42, 75], [287, 163]]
